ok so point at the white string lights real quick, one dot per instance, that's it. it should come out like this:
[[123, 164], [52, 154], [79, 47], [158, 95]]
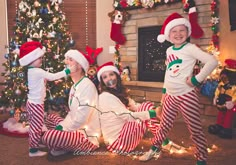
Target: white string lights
[[86, 22], [171, 147]]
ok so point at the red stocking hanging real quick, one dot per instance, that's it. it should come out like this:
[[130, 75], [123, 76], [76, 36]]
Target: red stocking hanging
[[117, 18]]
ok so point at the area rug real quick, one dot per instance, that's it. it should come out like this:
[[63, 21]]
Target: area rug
[[13, 128]]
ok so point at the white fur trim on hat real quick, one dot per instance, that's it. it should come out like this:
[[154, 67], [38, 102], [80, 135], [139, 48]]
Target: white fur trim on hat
[[106, 68], [32, 56], [176, 22], [78, 57]]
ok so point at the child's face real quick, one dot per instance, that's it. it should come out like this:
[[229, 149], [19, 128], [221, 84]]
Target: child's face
[[178, 35], [109, 78]]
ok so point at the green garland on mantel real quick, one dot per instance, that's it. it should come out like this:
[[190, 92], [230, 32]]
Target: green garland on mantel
[[136, 4]]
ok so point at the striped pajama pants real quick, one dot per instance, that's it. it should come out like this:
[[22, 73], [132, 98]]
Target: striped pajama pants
[[64, 140], [132, 132], [188, 105], [36, 120]]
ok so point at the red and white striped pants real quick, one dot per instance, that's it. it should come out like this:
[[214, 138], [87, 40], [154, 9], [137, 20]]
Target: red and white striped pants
[[188, 105], [132, 132], [36, 119], [69, 141]]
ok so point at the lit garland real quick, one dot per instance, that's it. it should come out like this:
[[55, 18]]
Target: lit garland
[[117, 57], [213, 48], [171, 147], [131, 4]]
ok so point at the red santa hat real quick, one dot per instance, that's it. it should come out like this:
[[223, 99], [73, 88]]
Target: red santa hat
[[78, 57], [176, 19], [109, 66], [230, 64], [30, 51]]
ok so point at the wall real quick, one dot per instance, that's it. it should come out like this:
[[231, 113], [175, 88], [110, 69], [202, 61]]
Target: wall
[[154, 17], [103, 30], [3, 38], [227, 37]]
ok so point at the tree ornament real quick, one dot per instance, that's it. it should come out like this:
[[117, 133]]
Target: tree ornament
[[20, 74], [6, 56], [14, 63], [36, 4], [11, 112], [18, 92], [71, 42]]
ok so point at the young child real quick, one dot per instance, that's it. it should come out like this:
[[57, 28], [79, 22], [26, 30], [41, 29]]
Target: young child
[[31, 56], [225, 101], [179, 93]]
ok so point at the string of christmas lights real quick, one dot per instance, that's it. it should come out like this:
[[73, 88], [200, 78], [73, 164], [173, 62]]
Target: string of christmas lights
[[172, 147]]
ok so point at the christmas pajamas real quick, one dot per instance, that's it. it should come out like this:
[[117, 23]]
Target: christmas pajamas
[[69, 141], [36, 119], [188, 105], [133, 131]]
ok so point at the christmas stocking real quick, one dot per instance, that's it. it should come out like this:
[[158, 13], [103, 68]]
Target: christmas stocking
[[116, 34], [197, 31]]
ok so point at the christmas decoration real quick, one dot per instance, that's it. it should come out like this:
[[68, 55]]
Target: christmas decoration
[[194, 30], [214, 44], [225, 97], [133, 4], [118, 18], [92, 56], [117, 57], [125, 75], [42, 21]]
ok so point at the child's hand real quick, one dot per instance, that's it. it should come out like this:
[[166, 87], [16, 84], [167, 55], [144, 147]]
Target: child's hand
[[158, 112], [189, 82], [133, 106]]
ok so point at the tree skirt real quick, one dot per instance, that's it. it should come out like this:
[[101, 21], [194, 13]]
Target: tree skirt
[[13, 128]]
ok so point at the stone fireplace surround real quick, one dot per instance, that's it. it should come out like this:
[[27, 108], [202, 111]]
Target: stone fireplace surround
[[151, 91]]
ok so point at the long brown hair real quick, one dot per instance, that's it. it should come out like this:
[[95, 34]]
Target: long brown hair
[[120, 91]]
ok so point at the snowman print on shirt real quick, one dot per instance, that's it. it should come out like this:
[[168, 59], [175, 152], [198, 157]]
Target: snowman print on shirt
[[174, 65]]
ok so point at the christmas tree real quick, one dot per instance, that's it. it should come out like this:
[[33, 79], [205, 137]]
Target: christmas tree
[[43, 21]]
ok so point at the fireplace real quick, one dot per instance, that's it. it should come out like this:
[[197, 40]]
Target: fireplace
[[151, 55]]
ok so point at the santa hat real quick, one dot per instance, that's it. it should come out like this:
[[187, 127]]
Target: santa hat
[[109, 66], [176, 19], [78, 57], [172, 59], [230, 64], [30, 51]]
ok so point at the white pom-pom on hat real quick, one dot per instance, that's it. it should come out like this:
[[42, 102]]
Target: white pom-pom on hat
[[161, 38]]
